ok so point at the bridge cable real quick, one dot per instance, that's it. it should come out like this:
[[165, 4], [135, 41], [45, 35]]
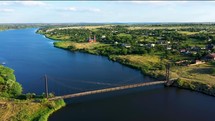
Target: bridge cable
[[65, 85]]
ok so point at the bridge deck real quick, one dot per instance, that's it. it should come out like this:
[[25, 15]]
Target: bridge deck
[[107, 90]]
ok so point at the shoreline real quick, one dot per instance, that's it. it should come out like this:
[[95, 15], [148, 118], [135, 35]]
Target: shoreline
[[87, 52], [208, 89], [44, 108], [196, 86], [199, 86], [24, 107]]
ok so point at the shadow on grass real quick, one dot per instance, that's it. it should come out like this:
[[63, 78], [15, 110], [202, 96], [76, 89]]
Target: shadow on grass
[[202, 71]]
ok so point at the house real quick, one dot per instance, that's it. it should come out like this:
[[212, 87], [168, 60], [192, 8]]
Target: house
[[152, 45], [203, 48], [195, 48], [193, 52], [103, 37], [209, 47], [161, 42], [198, 62], [210, 56], [209, 39], [159, 38], [168, 47], [126, 45], [141, 45], [182, 62], [183, 50]]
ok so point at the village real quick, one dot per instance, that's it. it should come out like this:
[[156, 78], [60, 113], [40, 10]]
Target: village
[[200, 54], [188, 48]]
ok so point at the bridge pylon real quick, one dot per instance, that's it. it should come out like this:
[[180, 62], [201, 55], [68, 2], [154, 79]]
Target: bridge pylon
[[168, 81], [46, 86]]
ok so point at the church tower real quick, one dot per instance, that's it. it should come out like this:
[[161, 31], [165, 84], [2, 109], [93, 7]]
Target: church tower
[[94, 39]]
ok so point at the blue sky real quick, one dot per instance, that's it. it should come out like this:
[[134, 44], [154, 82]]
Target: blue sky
[[106, 11]]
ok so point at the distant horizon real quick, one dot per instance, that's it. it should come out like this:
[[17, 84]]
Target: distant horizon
[[120, 23], [107, 11]]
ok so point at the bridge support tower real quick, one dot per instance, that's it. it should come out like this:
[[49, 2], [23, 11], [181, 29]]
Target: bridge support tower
[[46, 86], [168, 81]]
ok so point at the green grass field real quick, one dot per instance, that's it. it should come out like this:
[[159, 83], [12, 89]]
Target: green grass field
[[27, 110], [200, 73]]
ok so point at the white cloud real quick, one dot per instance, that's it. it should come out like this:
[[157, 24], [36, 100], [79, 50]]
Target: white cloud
[[75, 9], [6, 10], [70, 9], [155, 3], [151, 2], [4, 3], [93, 10], [24, 3], [31, 3]]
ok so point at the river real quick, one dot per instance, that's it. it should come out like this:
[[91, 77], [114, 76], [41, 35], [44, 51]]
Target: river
[[32, 56]]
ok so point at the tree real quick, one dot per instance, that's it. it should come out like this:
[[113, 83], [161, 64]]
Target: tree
[[15, 89]]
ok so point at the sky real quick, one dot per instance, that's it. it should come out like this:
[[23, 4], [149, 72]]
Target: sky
[[106, 11]]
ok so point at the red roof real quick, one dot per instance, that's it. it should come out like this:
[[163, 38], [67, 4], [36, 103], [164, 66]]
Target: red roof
[[212, 55]]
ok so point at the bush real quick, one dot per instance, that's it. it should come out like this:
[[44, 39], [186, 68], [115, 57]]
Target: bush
[[213, 71], [10, 88], [1, 80], [72, 47], [16, 89], [30, 95]]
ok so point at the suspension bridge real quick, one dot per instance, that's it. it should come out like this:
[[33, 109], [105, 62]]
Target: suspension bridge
[[114, 87], [107, 90]]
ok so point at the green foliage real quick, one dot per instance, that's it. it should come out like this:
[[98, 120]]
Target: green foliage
[[165, 41], [175, 34], [8, 84], [213, 71], [72, 47], [2, 80], [15, 89], [10, 88], [26, 110], [43, 115], [30, 95], [196, 86]]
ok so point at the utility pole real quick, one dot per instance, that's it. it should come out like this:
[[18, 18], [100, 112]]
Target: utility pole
[[46, 86]]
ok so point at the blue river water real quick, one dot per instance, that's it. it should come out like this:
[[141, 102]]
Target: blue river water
[[32, 56]]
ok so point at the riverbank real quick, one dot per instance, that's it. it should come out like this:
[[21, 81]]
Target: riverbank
[[201, 87], [193, 78], [13, 105], [187, 77], [150, 65], [27, 110]]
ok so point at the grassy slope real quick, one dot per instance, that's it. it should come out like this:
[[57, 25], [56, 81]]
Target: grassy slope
[[187, 32], [84, 47], [27, 110], [199, 73], [148, 64], [12, 109], [78, 46], [199, 78]]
